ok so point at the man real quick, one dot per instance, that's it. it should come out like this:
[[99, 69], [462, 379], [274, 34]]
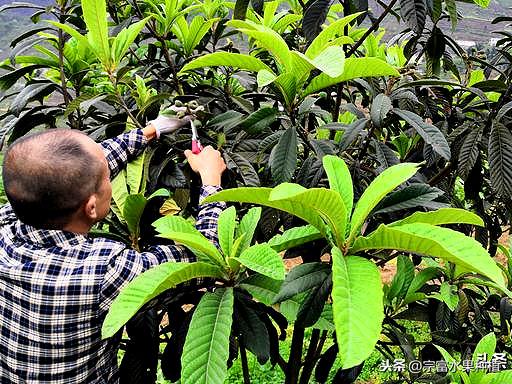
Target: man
[[56, 283]]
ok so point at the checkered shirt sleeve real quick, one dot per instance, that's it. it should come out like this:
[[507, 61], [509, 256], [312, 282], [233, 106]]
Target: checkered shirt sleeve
[[123, 148], [124, 267]]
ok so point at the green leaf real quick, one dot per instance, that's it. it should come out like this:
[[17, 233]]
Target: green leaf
[[287, 84], [259, 120], [264, 78], [175, 224], [162, 192], [29, 93], [500, 159], [340, 180], [486, 345], [402, 279], [448, 295], [442, 216], [261, 196], [134, 172], [501, 377], [354, 68], [196, 243], [411, 196], [271, 41], [458, 375], [380, 107], [327, 203], [263, 259], [261, 287], [226, 230], [451, 8], [147, 286], [124, 40], [469, 152], [328, 34], [82, 40], [430, 240], [414, 13], [430, 133], [120, 191], [284, 157], [132, 212], [198, 28], [206, 349], [302, 278], [381, 186], [247, 226], [420, 279], [95, 16], [294, 237], [357, 306], [227, 59], [330, 61]]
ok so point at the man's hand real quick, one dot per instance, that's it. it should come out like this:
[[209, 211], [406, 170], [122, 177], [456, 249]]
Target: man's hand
[[164, 124], [209, 164]]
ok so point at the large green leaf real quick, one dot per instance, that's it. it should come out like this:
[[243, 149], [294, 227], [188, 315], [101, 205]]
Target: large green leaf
[[262, 196], [247, 226], [327, 203], [414, 13], [357, 306], [284, 156], [469, 152], [132, 212], [226, 230], [120, 191], [328, 34], [302, 278], [294, 237], [354, 68], [487, 346], [95, 16], [206, 349], [381, 186], [147, 286], [402, 279], [430, 133], [175, 224], [501, 377], [500, 159], [411, 196], [263, 259], [430, 240], [420, 279], [340, 180], [124, 40], [330, 61], [442, 216], [380, 107], [196, 243], [263, 288], [271, 41], [227, 59], [134, 172]]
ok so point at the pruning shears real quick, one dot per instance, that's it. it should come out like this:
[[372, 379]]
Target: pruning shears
[[196, 144]]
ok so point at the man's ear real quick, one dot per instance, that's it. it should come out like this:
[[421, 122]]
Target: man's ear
[[90, 210]]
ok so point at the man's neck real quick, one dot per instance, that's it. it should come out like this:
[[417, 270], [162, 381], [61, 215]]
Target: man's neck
[[77, 227]]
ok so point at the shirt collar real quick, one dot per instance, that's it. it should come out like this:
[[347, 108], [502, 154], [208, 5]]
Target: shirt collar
[[48, 237]]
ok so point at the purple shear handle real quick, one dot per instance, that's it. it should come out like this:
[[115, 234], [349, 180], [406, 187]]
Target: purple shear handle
[[196, 144]]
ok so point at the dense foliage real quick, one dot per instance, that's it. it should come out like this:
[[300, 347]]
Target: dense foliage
[[351, 155]]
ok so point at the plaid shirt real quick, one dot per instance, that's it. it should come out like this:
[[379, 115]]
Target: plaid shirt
[[56, 287]]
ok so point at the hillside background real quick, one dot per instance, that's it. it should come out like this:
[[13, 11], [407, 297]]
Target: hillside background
[[475, 26]]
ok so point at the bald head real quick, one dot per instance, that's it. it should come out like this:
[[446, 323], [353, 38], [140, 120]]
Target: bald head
[[48, 175]]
